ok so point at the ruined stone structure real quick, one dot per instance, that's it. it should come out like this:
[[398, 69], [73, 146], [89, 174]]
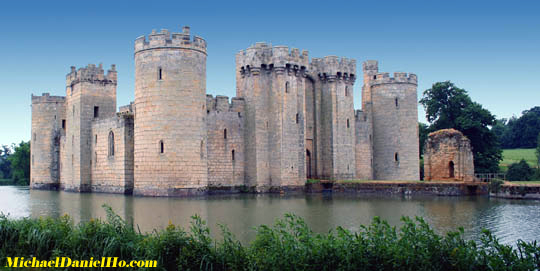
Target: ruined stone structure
[[448, 156], [293, 119]]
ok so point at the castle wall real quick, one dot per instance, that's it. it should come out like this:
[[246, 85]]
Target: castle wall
[[395, 126], [47, 115], [272, 83], [363, 145], [225, 127], [112, 164], [170, 109], [86, 89]]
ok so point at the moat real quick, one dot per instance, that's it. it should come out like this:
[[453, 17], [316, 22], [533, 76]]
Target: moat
[[510, 220]]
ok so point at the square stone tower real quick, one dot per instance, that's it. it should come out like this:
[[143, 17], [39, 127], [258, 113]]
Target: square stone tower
[[90, 95]]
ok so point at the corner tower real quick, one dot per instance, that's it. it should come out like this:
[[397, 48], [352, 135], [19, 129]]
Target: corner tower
[[170, 130], [394, 107], [48, 115]]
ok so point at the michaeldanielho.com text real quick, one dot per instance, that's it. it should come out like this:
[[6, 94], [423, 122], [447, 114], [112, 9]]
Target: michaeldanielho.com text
[[57, 262]]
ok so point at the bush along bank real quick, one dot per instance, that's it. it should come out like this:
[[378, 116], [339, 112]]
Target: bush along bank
[[287, 245]]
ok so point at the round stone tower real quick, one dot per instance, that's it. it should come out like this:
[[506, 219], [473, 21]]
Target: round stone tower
[[48, 124], [170, 99], [395, 125]]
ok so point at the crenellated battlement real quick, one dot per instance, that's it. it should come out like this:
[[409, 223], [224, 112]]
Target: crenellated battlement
[[264, 56], [333, 67], [47, 98], [399, 78], [165, 39], [221, 104], [92, 74]]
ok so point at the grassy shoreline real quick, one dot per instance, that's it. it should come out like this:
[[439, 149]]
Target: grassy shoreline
[[287, 245]]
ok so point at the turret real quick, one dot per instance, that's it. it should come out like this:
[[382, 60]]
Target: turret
[[48, 125], [394, 110], [170, 110]]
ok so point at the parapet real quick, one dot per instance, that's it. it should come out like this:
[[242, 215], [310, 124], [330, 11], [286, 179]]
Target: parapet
[[47, 98], [333, 66], [265, 56], [399, 78], [165, 39], [370, 65], [221, 104], [126, 109], [92, 74]]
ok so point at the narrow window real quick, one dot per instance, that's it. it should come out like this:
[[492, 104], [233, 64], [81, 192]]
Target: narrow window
[[34, 136], [296, 117], [161, 147], [225, 133], [232, 155], [33, 159], [374, 76], [287, 87], [111, 143], [95, 158], [95, 140], [346, 91], [348, 125], [96, 112], [396, 157], [397, 102], [160, 73], [73, 111], [64, 124]]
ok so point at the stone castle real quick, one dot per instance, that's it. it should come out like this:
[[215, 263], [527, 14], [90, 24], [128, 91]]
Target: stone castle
[[293, 119]]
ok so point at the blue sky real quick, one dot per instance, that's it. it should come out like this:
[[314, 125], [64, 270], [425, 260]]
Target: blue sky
[[490, 48]]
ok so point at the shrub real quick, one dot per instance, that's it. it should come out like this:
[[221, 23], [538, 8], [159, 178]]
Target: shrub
[[288, 245], [519, 171], [495, 185]]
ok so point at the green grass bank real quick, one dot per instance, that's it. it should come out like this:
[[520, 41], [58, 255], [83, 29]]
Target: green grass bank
[[287, 245]]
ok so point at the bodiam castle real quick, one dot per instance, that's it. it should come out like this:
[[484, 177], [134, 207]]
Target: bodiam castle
[[292, 119]]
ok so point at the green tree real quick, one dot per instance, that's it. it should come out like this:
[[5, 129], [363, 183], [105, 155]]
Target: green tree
[[20, 163], [448, 106], [5, 165], [519, 171], [537, 152], [423, 131]]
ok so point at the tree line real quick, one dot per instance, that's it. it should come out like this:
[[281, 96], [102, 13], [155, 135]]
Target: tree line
[[15, 163]]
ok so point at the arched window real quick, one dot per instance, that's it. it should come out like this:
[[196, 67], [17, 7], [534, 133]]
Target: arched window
[[287, 87], [160, 73], [348, 125], [161, 147], [232, 155], [346, 91], [396, 157], [451, 169], [225, 133], [111, 143]]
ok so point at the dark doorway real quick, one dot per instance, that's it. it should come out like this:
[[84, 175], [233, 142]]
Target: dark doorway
[[451, 169], [308, 164]]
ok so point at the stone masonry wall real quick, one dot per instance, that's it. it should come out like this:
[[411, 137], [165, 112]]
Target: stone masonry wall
[[112, 164], [86, 89], [170, 111], [448, 152], [395, 126], [225, 127], [47, 115], [364, 146], [272, 83]]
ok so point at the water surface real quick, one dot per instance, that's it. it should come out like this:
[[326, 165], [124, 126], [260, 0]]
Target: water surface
[[510, 220]]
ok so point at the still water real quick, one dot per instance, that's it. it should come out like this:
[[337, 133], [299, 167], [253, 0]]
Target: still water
[[510, 220]]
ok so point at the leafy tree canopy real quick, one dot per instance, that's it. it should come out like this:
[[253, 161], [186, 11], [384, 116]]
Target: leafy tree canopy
[[20, 163], [448, 106]]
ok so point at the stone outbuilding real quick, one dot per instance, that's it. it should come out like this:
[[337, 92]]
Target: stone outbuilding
[[448, 156]]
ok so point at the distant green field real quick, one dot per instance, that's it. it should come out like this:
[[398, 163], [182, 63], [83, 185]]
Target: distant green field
[[515, 155]]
